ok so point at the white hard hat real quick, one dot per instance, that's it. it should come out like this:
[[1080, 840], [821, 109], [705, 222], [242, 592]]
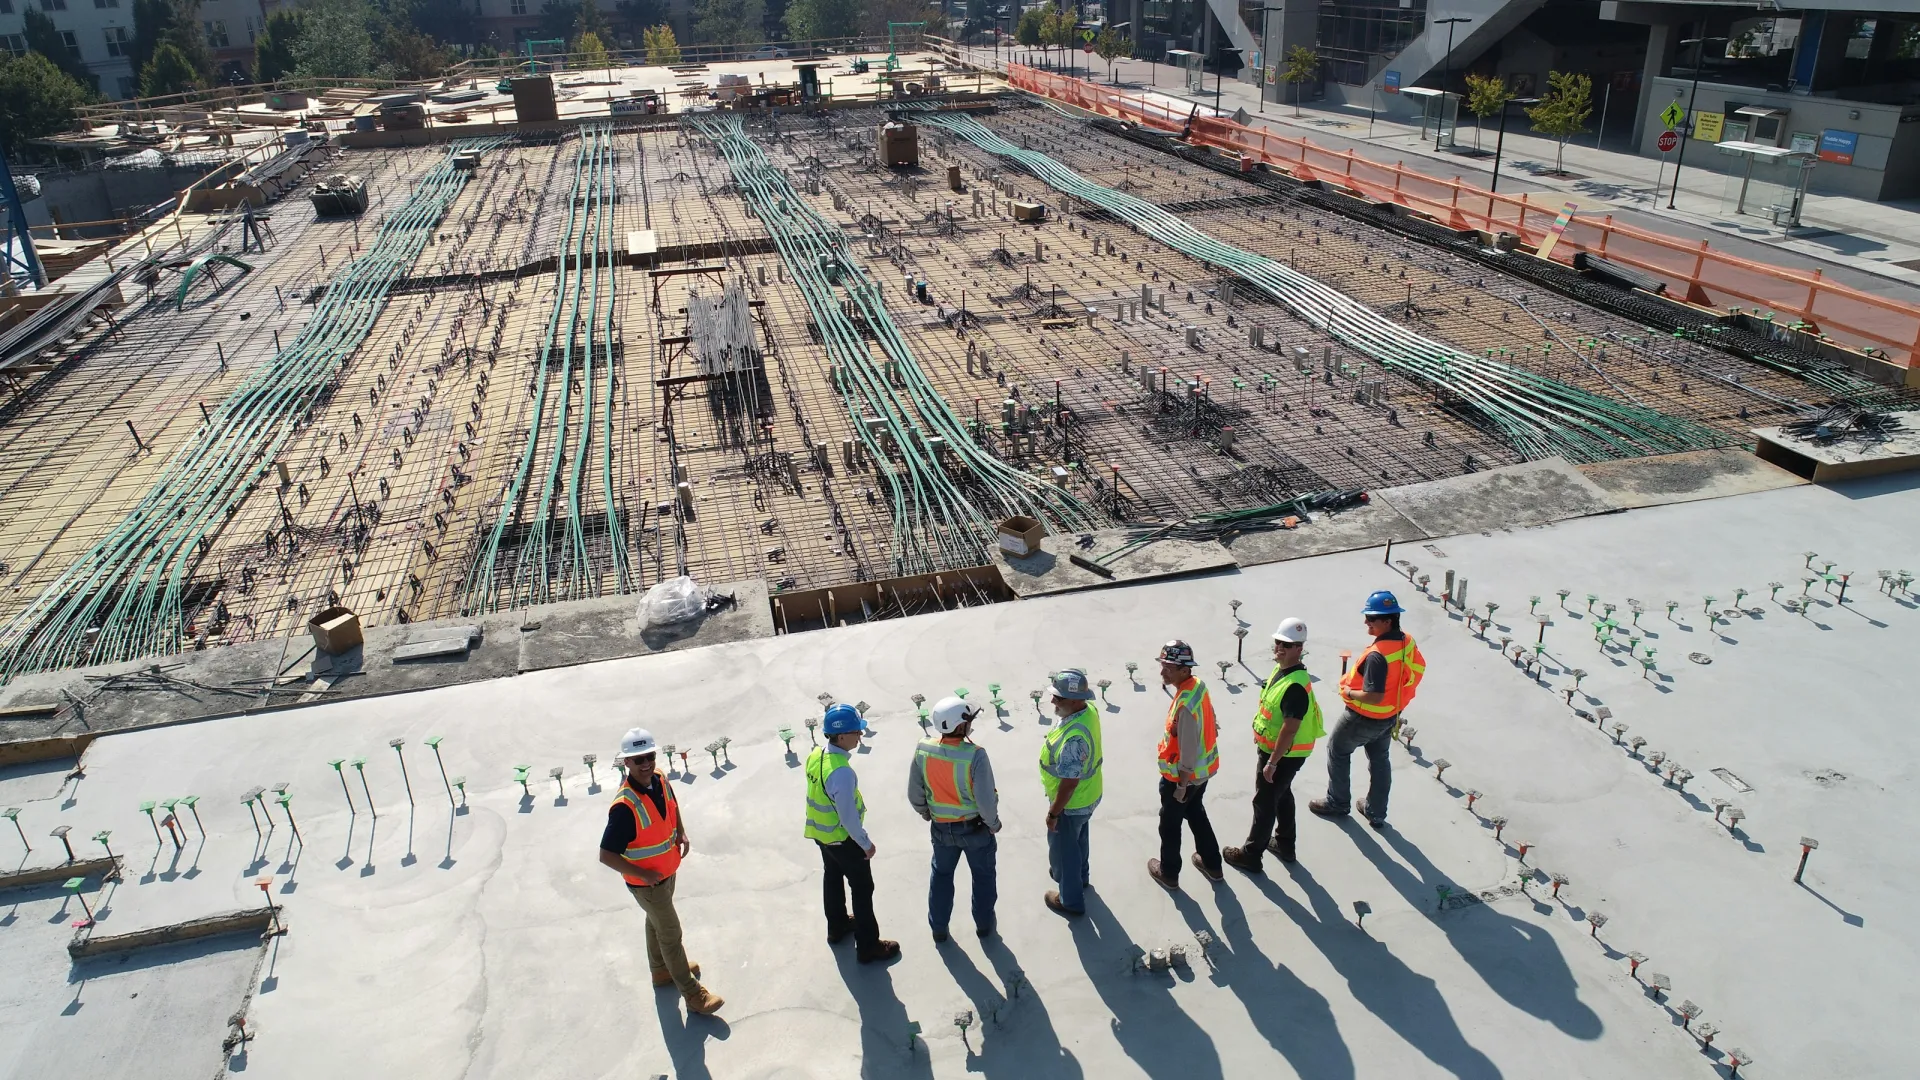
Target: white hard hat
[[950, 712], [638, 741], [1291, 631]]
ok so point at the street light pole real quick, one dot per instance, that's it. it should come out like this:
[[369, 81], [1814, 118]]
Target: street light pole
[[1447, 73], [1500, 142], [1699, 56]]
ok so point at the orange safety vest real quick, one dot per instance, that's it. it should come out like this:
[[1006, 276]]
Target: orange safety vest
[[656, 837], [1193, 695], [1405, 668], [946, 767]]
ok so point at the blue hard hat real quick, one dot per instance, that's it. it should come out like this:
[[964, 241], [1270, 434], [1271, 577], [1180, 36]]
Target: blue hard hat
[[843, 719], [1382, 602]]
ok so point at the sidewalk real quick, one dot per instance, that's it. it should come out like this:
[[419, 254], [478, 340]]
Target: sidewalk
[[1855, 242]]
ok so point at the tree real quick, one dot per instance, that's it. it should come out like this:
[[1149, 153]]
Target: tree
[[1303, 64], [590, 54], [729, 22], [273, 50], [1060, 28], [1111, 46], [557, 20], [1028, 30], [589, 22], [337, 43], [36, 99], [662, 48], [411, 54], [151, 20], [1486, 95], [186, 34], [44, 38], [634, 16], [441, 20], [812, 20], [1563, 112], [169, 72]]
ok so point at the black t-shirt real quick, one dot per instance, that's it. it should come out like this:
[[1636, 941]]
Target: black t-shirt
[[621, 828], [1293, 703], [1373, 666]]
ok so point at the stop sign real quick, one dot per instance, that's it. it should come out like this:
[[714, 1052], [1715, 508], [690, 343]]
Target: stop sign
[[1668, 140]]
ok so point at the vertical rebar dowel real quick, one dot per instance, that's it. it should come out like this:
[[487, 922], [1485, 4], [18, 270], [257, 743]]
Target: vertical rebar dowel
[[402, 755], [360, 766], [434, 742], [337, 764]]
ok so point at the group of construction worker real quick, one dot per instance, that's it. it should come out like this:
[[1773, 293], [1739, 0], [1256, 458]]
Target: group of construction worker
[[951, 785]]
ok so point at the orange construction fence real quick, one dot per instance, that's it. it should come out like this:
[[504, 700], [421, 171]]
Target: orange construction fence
[[1692, 269]]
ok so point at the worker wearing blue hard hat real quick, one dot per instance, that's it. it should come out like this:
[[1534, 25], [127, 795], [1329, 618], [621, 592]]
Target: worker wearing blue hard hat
[[1376, 690], [836, 817]]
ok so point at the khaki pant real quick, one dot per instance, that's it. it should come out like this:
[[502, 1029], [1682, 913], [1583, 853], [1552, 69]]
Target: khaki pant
[[664, 951]]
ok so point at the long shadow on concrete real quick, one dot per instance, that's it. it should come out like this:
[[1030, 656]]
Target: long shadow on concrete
[[686, 1035], [886, 1052], [1517, 959], [1151, 1027], [1405, 1000], [1015, 1035], [1294, 1018]]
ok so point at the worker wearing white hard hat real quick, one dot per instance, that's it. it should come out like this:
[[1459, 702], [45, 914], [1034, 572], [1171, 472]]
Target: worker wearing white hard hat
[[645, 840], [950, 784], [1284, 730]]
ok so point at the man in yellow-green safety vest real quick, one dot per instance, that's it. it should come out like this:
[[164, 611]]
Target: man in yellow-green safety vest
[[1070, 774], [836, 823], [1284, 731]]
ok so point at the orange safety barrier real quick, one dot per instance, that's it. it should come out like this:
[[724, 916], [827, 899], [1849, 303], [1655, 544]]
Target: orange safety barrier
[[1692, 269]]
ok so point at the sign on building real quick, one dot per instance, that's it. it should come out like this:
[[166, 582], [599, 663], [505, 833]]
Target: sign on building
[[1838, 146], [1709, 126]]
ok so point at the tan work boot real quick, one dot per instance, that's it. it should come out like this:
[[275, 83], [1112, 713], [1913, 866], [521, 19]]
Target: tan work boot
[[664, 978], [702, 1002]]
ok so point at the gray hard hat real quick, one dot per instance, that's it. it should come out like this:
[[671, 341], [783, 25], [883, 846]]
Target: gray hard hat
[[1071, 684]]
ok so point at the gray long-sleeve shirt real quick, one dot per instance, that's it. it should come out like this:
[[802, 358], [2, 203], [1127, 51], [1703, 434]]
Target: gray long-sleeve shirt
[[1188, 731], [981, 774], [841, 786]]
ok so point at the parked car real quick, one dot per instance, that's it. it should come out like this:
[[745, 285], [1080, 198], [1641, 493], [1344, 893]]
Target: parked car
[[768, 52]]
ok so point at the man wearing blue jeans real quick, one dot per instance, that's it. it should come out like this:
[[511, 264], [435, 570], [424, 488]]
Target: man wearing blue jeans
[[1070, 774], [1375, 690], [950, 785]]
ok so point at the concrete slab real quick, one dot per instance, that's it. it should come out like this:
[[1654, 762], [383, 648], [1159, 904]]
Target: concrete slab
[[1361, 527], [373, 668], [1509, 497], [609, 628], [1844, 459], [1672, 478], [1050, 571], [462, 941]]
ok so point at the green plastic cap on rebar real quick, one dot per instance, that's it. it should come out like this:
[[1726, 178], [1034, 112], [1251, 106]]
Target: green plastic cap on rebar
[[434, 741]]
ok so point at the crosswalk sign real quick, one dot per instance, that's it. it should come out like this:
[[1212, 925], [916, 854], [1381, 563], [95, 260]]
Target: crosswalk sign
[[1673, 114]]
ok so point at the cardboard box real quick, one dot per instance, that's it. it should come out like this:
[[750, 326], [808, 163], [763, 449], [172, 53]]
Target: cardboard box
[[899, 145], [533, 98], [335, 630], [1028, 211], [1020, 536]]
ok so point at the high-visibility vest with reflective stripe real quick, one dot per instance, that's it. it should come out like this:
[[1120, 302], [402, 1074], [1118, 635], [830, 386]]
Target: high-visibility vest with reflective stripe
[[656, 836], [1086, 724], [823, 818], [1192, 695], [1268, 722], [1405, 668], [947, 770]]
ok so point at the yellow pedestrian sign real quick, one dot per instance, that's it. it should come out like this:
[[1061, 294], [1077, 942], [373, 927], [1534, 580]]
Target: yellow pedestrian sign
[[1673, 114]]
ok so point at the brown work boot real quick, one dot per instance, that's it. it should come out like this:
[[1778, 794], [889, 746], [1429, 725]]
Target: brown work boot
[[1327, 809], [1201, 864], [882, 952], [1167, 881], [1053, 901], [1241, 858], [664, 978], [704, 1002]]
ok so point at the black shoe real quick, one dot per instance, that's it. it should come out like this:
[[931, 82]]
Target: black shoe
[[1379, 824], [1284, 854], [882, 952], [834, 938], [1326, 809], [1211, 874], [939, 936], [983, 932]]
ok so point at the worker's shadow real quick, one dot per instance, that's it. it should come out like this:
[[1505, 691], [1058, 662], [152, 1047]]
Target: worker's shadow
[[1147, 1022], [1405, 1000], [1293, 1017], [886, 1052], [1517, 960], [686, 1036], [1012, 1030]]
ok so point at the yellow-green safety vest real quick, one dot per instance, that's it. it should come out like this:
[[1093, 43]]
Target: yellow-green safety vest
[[1268, 721], [823, 819], [1086, 722]]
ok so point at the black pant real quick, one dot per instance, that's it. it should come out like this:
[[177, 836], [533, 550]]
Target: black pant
[[1192, 811], [846, 865], [1273, 806]]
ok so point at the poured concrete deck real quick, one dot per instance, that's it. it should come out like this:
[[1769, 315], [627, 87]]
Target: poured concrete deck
[[437, 943]]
